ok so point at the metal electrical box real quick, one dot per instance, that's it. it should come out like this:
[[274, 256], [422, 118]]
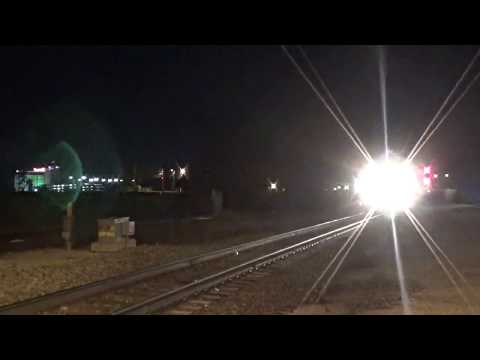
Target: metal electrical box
[[113, 235]]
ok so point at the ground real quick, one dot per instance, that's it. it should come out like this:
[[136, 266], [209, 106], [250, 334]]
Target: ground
[[366, 284], [26, 274], [33, 273]]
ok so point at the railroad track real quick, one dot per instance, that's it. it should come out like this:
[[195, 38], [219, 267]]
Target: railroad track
[[230, 279], [67, 296]]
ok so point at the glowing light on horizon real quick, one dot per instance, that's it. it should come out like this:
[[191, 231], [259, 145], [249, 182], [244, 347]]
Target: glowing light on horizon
[[389, 186]]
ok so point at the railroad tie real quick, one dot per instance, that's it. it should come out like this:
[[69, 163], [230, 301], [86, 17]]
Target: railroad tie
[[177, 312], [230, 288], [217, 293], [190, 307], [203, 303], [258, 274], [242, 282], [210, 297]]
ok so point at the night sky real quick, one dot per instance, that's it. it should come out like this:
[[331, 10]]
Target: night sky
[[238, 114]]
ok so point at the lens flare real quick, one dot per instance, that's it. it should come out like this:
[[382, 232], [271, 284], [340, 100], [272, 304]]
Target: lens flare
[[389, 186]]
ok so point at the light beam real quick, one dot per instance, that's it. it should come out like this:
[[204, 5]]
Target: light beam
[[330, 264], [440, 250], [383, 95], [322, 99], [401, 277], [421, 143], [439, 261], [347, 252], [332, 99]]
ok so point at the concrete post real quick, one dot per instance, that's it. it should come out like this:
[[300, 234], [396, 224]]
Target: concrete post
[[67, 227]]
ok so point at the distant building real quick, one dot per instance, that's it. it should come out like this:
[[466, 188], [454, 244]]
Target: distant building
[[51, 178], [36, 179]]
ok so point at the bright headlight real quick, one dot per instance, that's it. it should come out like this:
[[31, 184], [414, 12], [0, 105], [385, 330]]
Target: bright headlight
[[388, 186]]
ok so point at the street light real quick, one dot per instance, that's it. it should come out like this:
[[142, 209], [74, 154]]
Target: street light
[[446, 175], [272, 185]]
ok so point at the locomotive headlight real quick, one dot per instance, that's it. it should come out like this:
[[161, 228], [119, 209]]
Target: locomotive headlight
[[389, 186]]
